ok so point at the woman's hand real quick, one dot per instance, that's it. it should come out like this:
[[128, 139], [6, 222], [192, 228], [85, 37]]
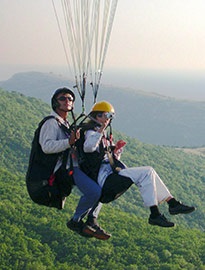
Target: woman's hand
[[119, 148], [103, 126]]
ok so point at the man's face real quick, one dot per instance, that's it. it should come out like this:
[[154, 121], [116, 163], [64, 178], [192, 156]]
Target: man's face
[[65, 102]]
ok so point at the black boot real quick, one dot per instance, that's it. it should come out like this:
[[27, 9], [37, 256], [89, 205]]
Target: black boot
[[161, 221], [77, 227], [180, 208]]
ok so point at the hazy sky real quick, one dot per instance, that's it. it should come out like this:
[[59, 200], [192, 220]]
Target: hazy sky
[[147, 34]]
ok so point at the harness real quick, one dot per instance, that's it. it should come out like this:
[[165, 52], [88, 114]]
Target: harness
[[115, 184], [44, 187], [89, 163]]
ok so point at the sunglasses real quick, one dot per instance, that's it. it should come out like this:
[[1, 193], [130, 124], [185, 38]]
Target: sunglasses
[[107, 115], [63, 98]]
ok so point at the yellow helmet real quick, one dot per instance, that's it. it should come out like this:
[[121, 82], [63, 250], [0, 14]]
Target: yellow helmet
[[103, 106]]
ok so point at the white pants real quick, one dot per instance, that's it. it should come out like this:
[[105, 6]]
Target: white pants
[[152, 188]]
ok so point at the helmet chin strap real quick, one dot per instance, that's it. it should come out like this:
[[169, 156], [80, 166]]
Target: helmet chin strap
[[110, 135]]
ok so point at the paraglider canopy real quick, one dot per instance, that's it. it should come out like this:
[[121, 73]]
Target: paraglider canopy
[[85, 28]]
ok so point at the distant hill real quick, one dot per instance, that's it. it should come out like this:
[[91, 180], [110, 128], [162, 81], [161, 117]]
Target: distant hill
[[151, 118]]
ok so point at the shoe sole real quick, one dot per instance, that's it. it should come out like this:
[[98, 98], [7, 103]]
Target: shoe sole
[[78, 231], [154, 224], [88, 231], [187, 212], [85, 235]]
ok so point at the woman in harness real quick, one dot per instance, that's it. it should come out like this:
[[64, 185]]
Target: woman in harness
[[102, 157]]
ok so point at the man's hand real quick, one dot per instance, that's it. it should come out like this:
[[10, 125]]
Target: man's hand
[[74, 136]]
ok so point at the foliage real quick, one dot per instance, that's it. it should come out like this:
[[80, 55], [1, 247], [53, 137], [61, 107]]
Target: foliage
[[35, 237], [149, 117]]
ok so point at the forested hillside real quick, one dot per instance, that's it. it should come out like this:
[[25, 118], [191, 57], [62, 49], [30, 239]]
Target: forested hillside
[[149, 117], [35, 237]]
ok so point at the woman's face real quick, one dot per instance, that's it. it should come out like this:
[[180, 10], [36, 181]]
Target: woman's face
[[104, 118]]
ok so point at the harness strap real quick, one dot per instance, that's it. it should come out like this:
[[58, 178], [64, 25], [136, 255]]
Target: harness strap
[[112, 162]]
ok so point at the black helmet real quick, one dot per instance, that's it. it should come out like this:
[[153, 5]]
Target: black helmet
[[64, 90]]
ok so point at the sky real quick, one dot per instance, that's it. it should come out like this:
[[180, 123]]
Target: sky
[[147, 35]]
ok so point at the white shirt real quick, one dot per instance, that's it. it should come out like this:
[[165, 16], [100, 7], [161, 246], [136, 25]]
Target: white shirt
[[91, 144], [53, 140]]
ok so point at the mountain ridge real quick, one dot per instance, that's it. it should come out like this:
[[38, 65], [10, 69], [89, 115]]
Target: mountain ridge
[[152, 118]]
